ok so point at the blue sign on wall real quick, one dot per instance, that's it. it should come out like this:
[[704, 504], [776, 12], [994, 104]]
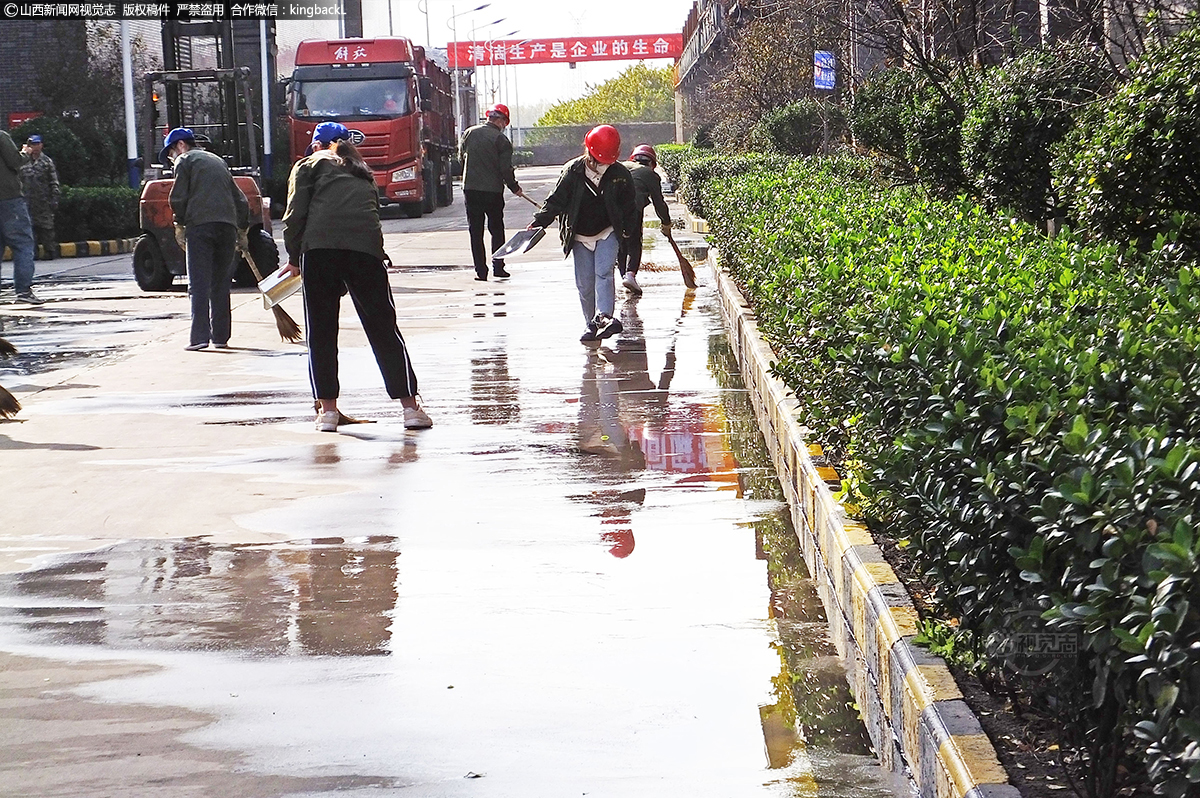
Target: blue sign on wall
[[824, 70]]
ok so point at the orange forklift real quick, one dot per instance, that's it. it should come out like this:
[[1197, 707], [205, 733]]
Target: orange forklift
[[216, 104]]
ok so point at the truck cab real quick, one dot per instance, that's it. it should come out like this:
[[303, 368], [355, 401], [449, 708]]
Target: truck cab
[[382, 90]]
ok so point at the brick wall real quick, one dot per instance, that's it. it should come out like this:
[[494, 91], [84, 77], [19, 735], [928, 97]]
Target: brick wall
[[22, 46]]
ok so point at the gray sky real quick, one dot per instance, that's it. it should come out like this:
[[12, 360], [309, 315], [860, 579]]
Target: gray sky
[[534, 84]]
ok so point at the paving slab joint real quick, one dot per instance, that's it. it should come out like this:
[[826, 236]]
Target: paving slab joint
[[912, 707]]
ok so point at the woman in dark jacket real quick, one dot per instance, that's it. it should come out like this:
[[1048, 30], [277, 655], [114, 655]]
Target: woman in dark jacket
[[333, 238], [595, 207]]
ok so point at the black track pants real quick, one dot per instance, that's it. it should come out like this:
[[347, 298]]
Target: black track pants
[[326, 272]]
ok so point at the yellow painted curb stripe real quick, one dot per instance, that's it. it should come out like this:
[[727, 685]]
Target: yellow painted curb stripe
[[67, 249], [970, 760], [930, 683]]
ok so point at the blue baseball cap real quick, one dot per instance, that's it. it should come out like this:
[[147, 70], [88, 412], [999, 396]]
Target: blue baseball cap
[[327, 132], [176, 135], [35, 139]]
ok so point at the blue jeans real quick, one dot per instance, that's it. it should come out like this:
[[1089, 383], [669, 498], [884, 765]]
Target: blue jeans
[[210, 252], [16, 233], [594, 276]]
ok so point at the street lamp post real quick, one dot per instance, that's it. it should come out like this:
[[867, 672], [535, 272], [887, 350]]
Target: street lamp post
[[452, 23]]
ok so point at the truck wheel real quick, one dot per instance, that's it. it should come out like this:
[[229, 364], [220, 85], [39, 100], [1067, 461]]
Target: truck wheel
[[413, 210], [446, 193], [266, 258], [430, 173], [149, 268]]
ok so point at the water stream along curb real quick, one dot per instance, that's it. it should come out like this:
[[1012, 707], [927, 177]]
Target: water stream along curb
[[912, 707]]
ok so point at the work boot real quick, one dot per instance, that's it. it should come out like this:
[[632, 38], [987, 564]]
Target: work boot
[[631, 284], [498, 269], [481, 275], [30, 298]]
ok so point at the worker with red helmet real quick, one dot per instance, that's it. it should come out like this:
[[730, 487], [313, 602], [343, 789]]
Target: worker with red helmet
[[647, 188], [595, 204], [486, 155]]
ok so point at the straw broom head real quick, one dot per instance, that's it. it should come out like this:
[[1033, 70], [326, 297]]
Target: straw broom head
[[9, 406]]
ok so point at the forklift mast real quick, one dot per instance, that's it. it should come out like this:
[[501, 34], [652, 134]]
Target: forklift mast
[[216, 103]]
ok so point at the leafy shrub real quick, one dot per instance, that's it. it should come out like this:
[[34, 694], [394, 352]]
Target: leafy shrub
[[880, 111], [801, 128], [67, 150], [1022, 109], [522, 157], [97, 213], [1024, 410], [671, 158], [933, 145], [1134, 173]]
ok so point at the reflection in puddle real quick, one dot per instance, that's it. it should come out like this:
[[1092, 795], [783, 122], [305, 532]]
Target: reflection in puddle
[[495, 393], [328, 597]]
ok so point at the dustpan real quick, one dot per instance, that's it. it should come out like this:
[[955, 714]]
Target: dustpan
[[521, 242], [277, 287]]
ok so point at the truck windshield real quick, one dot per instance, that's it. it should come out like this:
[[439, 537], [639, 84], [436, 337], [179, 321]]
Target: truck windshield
[[377, 97]]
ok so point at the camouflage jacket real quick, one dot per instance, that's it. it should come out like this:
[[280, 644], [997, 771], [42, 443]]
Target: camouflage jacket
[[39, 180]]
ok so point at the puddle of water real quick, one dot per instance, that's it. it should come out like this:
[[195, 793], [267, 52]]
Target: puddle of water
[[328, 597], [586, 583]]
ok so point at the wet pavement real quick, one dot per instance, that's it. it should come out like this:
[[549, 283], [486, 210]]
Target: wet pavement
[[581, 581]]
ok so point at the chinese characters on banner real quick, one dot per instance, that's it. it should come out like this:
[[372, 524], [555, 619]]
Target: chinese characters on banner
[[566, 50]]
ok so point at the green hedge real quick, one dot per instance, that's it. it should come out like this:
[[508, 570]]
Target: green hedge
[[805, 127], [1018, 115], [671, 158], [1134, 172], [1022, 412], [97, 214]]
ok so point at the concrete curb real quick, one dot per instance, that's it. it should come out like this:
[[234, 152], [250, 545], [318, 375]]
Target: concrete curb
[[910, 703], [86, 249]]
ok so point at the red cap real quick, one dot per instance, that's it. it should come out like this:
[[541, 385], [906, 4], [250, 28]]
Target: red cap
[[603, 143], [500, 108], [646, 150]]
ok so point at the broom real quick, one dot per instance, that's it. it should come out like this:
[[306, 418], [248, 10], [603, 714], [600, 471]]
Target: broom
[[289, 330], [685, 265], [9, 406]]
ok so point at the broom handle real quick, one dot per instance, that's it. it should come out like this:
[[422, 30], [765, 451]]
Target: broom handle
[[534, 203], [245, 252]]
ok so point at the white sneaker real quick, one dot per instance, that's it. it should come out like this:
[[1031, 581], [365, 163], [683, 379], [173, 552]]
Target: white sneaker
[[416, 417], [328, 421], [631, 284]]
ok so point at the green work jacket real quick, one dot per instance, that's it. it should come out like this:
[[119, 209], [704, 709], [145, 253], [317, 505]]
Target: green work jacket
[[329, 207], [204, 192]]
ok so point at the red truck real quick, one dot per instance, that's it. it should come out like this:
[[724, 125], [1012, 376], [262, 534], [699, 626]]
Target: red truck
[[398, 105]]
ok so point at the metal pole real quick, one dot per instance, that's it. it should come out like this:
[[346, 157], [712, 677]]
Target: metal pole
[[454, 74], [517, 132], [130, 122], [266, 97], [390, 31]]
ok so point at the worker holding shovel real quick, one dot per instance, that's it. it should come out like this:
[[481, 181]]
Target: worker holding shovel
[[594, 203], [333, 238], [211, 215]]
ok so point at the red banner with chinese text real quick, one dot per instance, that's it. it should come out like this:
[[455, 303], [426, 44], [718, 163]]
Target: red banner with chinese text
[[565, 50]]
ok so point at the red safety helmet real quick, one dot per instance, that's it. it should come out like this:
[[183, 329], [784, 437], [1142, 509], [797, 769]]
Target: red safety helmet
[[501, 109], [603, 143], [647, 151]]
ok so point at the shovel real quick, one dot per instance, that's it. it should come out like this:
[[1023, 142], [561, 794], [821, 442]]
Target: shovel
[[521, 242], [289, 330]]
